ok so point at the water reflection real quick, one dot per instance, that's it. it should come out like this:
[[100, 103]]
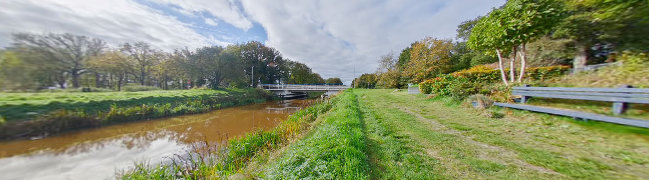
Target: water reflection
[[97, 153]]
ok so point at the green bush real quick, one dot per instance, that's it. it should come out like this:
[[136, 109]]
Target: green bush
[[461, 88], [2, 120], [426, 86], [488, 75], [464, 83]]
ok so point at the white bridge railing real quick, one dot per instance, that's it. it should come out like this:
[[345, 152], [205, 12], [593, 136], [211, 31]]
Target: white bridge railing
[[303, 87]]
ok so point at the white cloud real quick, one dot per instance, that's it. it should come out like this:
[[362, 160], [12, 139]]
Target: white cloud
[[334, 36], [116, 21], [226, 10], [211, 22]]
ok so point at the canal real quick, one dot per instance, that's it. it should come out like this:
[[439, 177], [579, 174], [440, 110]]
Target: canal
[[100, 153]]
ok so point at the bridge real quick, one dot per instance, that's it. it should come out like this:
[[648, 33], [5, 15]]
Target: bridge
[[286, 90]]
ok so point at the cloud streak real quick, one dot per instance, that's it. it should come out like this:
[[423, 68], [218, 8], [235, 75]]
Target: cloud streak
[[124, 21], [337, 38]]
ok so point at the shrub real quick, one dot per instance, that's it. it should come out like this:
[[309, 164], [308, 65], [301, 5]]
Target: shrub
[[461, 88], [487, 75], [2, 120], [426, 86]]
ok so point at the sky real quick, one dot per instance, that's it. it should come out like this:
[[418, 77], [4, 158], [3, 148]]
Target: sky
[[336, 38]]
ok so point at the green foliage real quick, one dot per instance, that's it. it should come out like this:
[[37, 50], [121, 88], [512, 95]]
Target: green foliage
[[334, 81], [619, 22], [549, 52], [35, 62], [429, 57], [518, 22], [367, 81], [465, 28], [471, 81]]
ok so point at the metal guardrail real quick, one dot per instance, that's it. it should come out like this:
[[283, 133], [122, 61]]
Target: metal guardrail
[[301, 87]]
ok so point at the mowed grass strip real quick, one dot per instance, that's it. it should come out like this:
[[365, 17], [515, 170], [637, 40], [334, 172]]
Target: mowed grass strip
[[335, 149], [393, 154], [573, 149], [447, 154]]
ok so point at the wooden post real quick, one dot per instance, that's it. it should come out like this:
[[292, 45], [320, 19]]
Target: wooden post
[[620, 107], [525, 98]]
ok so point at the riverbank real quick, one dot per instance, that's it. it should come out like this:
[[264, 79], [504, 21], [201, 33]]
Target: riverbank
[[387, 134], [230, 157], [43, 114]]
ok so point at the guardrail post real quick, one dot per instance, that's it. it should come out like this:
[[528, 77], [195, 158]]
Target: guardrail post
[[525, 98], [620, 107]]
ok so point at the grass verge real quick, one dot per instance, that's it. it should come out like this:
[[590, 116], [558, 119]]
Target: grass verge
[[335, 149], [207, 161]]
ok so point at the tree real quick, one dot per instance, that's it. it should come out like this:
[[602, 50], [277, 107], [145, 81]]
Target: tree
[[388, 73], [621, 24], [67, 52], [143, 57], [365, 81], [465, 28], [302, 74], [507, 29], [334, 81], [429, 58], [526, 21], [115, 64]]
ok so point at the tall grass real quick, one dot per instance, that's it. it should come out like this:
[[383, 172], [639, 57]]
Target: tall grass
[[220, 161], [335, 150]]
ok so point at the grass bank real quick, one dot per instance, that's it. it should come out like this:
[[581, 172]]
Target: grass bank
[[451, 141], [213, 161], [335, 149], [43, 114]]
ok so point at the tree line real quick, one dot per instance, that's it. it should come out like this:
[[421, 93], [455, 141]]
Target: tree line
[[38, 61], [527, 33]]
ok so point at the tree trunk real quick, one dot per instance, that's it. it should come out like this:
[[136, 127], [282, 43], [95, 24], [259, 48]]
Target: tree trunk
[[512, 68], [120, 79], [500, 66], [75, 78], [581, 57], [98, 81], [142, 75], [523, 53]]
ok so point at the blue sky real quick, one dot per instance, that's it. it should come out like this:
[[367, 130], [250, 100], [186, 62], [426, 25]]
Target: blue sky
[[337, 38], [198, 21]]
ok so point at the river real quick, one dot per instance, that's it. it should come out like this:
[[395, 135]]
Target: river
[[101, 152]]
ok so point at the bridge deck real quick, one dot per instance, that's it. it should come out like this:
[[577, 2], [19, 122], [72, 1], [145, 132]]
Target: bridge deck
[[299, 87]]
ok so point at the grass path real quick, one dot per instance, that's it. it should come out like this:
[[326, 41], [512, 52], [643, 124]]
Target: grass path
[[411, 137]]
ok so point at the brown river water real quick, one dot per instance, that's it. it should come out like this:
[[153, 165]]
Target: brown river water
[[100, 153]]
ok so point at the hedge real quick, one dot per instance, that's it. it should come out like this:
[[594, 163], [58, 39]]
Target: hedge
[[470, 81]]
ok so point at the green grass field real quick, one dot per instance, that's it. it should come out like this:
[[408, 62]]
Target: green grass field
[[22, 106]]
